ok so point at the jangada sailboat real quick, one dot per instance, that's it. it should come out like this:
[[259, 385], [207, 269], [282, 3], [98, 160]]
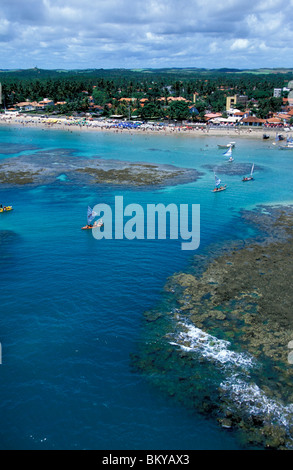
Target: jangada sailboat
[[288, 145], [229, 154], [91, 215], [250, 177], [218, 186]]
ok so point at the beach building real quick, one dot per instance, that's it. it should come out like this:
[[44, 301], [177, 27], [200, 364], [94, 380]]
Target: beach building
[[277, 92], [25, 106], [177, 98], [274, 121], [127, 100], [230, 102], [233, 101], [290, 96], [143, 101], [252, 121], [210, 117], [237, 113], [193, 110], [283, 117], [46, 102]]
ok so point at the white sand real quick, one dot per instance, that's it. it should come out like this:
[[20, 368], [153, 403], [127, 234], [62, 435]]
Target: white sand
[[78, 124]]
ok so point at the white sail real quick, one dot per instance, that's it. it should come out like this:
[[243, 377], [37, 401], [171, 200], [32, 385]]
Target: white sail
[[90, 215], [252, 168], [228, 153], [217, 181]]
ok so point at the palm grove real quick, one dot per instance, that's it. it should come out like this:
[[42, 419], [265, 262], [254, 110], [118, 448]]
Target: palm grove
[[144, 94]]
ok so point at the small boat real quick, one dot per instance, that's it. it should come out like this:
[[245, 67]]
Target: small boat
[[288, 145], [279, 137], [221, 188], [265, 136], [98, 224], [91, 215], [231, 144], [218, 186], [6, 209], [250, 177]]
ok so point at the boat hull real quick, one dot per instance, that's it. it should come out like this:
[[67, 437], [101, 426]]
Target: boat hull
[[232, 145], [87, 227], [218, 190]]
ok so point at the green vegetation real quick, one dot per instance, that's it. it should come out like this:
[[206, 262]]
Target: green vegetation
[[102, 91]]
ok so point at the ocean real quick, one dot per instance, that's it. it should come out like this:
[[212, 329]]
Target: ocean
[[72, 307]]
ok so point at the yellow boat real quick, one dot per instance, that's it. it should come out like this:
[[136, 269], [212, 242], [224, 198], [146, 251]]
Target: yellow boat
[[6, 209]]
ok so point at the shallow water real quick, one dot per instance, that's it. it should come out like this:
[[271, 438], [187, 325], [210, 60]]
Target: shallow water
[[72, 307]]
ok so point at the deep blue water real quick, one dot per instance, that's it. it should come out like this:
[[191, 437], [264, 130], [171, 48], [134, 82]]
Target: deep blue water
[[72, 307]]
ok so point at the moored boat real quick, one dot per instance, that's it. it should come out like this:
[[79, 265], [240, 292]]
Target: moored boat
[[218, 188], [221, 188], [230, 144], [250, 177], [91, 215], [288, 146], [98, 224]]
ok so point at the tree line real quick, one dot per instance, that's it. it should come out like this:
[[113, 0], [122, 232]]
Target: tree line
[[107, 87]]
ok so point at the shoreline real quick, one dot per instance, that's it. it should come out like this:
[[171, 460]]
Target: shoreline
[[148, 128]]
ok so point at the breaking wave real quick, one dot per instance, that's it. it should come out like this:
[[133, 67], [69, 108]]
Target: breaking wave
[[258, 404], [239, 391], [194, 339]]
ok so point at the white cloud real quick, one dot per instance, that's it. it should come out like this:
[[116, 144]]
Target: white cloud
[[124, 33], [239, 44]]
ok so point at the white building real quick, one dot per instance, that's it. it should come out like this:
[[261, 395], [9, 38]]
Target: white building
[[277, 92]]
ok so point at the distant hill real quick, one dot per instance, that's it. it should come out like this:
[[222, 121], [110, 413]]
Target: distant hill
[[190, 72]]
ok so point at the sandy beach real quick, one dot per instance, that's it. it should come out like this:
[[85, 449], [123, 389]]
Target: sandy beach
[[112, 125]]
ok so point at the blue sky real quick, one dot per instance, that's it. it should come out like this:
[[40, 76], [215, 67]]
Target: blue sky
[[145, 33]]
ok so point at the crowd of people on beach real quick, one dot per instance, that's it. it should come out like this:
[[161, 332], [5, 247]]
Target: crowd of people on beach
[[118, 125]]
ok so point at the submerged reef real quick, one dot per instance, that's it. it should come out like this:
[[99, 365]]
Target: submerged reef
[[44, 167], [9, 148], [220, 341], [236, 169]]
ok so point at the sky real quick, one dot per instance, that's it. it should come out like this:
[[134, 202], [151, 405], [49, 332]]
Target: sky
[[134, 34]]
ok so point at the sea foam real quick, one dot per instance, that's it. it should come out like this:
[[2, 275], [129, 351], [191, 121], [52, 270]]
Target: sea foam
[[191, 338], [242, 394]]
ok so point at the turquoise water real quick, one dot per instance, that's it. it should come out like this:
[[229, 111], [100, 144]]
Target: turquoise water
[[72, 306]]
